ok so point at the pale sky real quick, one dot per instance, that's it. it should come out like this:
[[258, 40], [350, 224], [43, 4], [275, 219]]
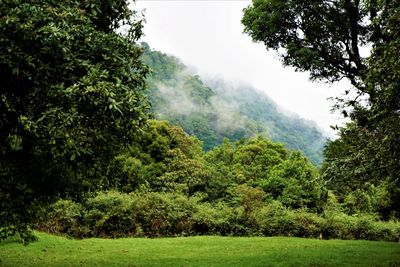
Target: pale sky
[[208, 36]]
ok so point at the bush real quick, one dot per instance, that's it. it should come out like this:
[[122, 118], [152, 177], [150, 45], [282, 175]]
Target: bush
[[114, 214], [65, 216], [337, 225], [308, 224], [273, 219], [155, 214], [165, 214], [340, 225], [388, 231], [110, 214], [218, 219]]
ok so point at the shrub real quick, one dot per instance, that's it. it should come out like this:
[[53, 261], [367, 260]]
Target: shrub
[[165, 214], [65, 216], [155, 214], [340, 225], [213, 219], [308, 224], [337, 225], [388, 231], [110, 214], [273, 219]]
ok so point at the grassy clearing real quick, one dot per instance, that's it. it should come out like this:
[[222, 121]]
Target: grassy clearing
[[199, 251]]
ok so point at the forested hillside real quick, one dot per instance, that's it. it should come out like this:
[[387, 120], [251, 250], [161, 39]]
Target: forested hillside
[[215, 109]]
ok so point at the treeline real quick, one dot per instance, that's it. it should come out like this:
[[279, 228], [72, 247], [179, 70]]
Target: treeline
[[165, 185]]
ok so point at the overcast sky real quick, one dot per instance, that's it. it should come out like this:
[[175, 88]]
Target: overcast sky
[[208, 36]]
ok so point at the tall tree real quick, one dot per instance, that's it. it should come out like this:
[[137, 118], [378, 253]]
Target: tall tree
[[70, 96], [325, 38]]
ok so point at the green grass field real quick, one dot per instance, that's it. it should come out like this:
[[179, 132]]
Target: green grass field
[[198, 251]]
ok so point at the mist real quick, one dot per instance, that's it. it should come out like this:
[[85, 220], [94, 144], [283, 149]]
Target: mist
[[215, 45], [177, 102]]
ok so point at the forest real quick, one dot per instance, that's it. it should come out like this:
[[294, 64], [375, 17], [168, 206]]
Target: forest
[[102, 136], [212, 109]]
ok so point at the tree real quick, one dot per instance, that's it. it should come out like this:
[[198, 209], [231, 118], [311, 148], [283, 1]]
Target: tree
[[70, 97], [287, 176], [163, 158], [325, 38], [303, 186]]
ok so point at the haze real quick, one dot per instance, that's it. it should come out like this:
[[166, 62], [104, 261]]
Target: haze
[[208, 36]]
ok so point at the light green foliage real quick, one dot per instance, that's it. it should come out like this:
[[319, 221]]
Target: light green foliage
[[215, 218], [337, 224], [162, 158], [66, 216], [214, 110], [302, 186], [70, 97], [275, 219], [248, 197], [286, 176], [367, 199], [165, 159], [156, 214], [184, 174], [248, 160]]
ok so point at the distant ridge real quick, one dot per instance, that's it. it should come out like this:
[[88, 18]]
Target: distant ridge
[[215, 109]]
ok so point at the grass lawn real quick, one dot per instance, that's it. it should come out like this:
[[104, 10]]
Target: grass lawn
[[198, 251]]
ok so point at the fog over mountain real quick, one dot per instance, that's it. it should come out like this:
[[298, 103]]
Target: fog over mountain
[[214, 109], [216, 46]]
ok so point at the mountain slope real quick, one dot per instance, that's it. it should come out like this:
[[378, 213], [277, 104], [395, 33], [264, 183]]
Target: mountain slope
[[213, 109]]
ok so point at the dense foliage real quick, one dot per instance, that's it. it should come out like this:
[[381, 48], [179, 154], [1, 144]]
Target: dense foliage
[[176, 188], [213, 109], [368, 151], [153, 214], [165, 185], [326, 39], [74, 128], [166, 159], [163, 158], [70, 97]]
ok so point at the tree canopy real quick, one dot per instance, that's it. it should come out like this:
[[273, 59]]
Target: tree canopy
[[326, 39], [70, 92], [323, 37]]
